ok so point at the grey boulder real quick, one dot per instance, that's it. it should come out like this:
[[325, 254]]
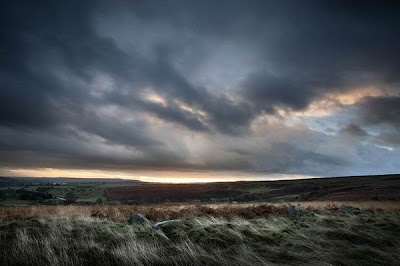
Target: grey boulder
[[347, 208], [138, 218], [293, 212]]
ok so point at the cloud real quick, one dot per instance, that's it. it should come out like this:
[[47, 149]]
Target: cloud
[[381, 110], [355, 130], [222, 85]]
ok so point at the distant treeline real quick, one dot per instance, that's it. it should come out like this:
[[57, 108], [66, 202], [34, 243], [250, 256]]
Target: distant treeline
[[23, 194]]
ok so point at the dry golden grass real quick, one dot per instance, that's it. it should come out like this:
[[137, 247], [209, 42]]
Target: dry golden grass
[[363, 205], [209, 234], [153, 212], [171, 211]]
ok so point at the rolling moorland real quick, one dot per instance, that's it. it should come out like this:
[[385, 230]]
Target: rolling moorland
[[55, 191], [331, 221]]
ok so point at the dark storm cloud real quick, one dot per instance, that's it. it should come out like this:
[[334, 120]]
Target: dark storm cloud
[[64, 83], [331, 46], [267, 92], [317, 48], [288, 156], [381, 110], [354, 130], [34, 34], [384, 113], [314, 47]]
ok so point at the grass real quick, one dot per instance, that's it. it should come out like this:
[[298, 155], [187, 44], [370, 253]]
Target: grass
[[315, 239], [82, 192], [89, 193], [213, 234], [154, 212], [15, 202], [286, 198], [364, 188], [178, 210]]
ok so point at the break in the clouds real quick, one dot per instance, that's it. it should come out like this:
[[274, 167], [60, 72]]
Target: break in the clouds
[[289, 87]]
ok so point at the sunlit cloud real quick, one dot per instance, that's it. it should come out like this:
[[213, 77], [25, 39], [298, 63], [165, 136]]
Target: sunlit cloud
[[333, 102], [153, 97], [190, 109]]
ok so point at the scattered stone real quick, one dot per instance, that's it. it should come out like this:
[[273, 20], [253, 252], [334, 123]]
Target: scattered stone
[[293, 212], [158, 225], [347, 208], [138, 218]]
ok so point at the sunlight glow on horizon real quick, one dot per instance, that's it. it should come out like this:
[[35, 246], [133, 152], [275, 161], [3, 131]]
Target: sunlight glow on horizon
[[153, 176]]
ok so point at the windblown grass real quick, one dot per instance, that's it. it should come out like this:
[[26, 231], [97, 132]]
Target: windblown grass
[[363, 205], [153, 212], [214, 234], [157, 212], [317, 238]]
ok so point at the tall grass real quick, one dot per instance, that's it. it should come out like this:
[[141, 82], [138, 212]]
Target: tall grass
[[153, 212], [316, 238], [172, 211]]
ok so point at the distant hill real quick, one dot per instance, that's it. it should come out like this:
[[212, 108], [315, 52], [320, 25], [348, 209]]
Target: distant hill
[[351, 188], [110, 190], [59, 180]]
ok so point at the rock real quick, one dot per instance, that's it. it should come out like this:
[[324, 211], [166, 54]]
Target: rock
[[138, 218], [347, 208], [158, 225], [293, 212]]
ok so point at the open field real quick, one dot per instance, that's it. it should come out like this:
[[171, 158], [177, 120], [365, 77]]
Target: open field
[[242, 223], [361, 188], [53, 191], [214, 234]]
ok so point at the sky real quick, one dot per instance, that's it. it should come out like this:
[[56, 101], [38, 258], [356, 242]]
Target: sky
[[199, 90]]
